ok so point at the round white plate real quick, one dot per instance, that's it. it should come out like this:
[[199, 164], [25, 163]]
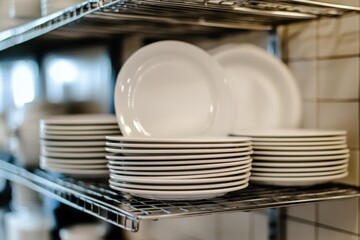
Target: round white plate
[[301, 158], [102, 127], [172, 88], [178, 187], [299, 164], [174, 168], [195, 177], [298, 140], [81, 133], [250, 69], [299, 169], [178, 151], [75, 166], [179, 195], [89, 172], [174, 145], [301, 181], [72, 143], [180, 157], [302, 153], [73, 161], [309, 174], [178, 140], [302, 144], [73, 149], [290, 133], [163, 181], [299, 148], [73, 155], [72, 138], [80, 119], [243, 160], [179, 172]]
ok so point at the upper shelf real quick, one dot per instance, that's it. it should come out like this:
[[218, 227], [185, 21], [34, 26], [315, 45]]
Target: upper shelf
[[98, 199], [107, 17]]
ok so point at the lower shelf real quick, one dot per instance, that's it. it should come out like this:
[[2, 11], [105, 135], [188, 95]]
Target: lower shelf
[[96, 198]]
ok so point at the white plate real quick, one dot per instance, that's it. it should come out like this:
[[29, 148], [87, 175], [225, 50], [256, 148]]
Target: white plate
[[309, 174], [302, 144], [178, 151], [250, 69], [298, 140], [290, 133], [302, 153], [180, 157], [73, 161], [73, 149], [302, 181], [172, 88], [80, 119], [73, 143], [299, 148], [44, 127], [301, 159], [174, 168], [178, 187], [75, 133], [161, 180], [72, 138], [299, 164], [181, 162], [73, 155], [195, 177], [178, 174], [178, 140], [70, 166], [299, 169], [89, 172], [174, 145], [179, 195]]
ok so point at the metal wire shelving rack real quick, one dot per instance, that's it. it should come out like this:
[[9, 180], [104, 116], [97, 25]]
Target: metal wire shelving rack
[[97, 199], [107, 17]]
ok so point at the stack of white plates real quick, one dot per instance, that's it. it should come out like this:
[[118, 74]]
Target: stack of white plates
[[178, 169], [298, 157], [75, 144]]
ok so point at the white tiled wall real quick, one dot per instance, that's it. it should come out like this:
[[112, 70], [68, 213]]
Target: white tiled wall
[[326, 65]]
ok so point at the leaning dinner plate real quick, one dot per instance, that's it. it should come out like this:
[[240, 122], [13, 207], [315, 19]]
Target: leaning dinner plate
[[172, 89], [250, 69]]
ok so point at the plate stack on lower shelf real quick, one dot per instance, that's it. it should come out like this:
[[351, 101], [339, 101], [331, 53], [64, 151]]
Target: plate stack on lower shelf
[[178, 169], [298, 157], [75, 144]]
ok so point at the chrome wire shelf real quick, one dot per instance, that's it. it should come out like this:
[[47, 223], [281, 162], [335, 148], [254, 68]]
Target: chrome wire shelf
[[127, 212], [109, 17]]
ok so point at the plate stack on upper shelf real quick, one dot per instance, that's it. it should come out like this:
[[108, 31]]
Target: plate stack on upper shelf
[[298, 157], [178, 169], [75, 144]]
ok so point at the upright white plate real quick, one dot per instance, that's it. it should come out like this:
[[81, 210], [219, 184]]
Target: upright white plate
[[251, 70], [172, 89]]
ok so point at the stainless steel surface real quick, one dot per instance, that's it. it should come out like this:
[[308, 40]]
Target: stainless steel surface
[[97, 199], [108, 17]]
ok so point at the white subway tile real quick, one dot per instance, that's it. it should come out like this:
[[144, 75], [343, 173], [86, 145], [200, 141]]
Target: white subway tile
[[309, 114], [305, 75], [327, 234], [338, 36], [299, 231], [339, 78], [234, 226], [354, 170], [341, 214], [259, 226], [301, 41], [306, 212], [341, 115]]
